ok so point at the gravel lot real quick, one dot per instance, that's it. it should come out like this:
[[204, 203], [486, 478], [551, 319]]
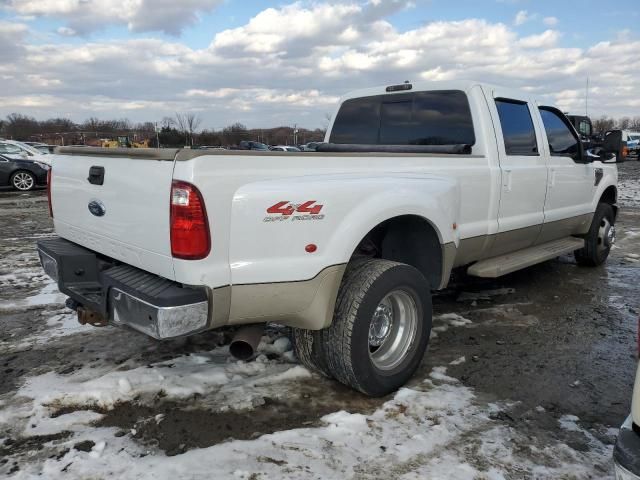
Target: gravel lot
[[527, 376]]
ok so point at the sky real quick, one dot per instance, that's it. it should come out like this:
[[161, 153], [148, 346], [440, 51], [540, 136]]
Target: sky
[[268, 64]]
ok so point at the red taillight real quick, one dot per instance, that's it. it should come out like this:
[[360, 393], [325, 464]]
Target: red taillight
[[49, 178], [190, 238]]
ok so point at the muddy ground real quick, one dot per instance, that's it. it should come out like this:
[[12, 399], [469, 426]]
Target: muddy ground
[[555, 341]]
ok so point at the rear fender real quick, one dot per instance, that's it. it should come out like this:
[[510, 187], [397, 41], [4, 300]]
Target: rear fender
[[275, 223]]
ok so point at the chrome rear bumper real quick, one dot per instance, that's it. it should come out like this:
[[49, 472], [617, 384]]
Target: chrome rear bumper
[[125, 295]]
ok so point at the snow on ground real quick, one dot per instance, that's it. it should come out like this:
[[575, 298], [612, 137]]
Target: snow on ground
[[48, 295], [435, 430], [629, 193]]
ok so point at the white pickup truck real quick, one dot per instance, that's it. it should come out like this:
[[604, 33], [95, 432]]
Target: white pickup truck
[[344, 244]]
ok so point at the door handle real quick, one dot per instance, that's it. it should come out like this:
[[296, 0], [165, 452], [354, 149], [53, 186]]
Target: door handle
[[506, 180], [552, 180]]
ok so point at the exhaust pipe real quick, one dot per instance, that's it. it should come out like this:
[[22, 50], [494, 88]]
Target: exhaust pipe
[[245, 341]]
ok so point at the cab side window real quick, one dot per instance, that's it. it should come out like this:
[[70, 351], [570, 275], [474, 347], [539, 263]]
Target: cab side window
[[562, 140], [517, 127]]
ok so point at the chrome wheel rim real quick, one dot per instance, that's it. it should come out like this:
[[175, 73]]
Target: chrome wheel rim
[[23, 181], [392, 330], [606, 235]]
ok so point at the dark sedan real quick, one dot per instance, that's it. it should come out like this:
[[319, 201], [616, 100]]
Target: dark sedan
[[21, 174]]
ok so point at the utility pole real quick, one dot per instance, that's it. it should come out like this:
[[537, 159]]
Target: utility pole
[[157, 135], [586, 100]]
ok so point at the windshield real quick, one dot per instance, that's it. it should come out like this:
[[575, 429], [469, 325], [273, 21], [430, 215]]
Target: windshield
[[634, 137]]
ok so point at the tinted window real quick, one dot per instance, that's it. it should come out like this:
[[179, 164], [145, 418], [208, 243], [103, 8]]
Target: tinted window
[[561, 139], [517, 128], [421, 118], [585, 128], [358, 121]]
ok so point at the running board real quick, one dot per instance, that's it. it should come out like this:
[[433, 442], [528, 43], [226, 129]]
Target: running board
[[498, 266]]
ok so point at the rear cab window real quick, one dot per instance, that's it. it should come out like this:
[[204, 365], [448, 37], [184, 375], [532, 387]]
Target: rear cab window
[[438, 117], [517, 127]]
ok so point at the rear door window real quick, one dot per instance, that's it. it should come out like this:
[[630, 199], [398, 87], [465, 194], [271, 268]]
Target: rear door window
[[420, 118], [517, 127]]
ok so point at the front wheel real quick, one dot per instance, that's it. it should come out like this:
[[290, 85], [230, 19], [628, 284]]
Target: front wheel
[[600, 239], [23, 181], [380, 329]]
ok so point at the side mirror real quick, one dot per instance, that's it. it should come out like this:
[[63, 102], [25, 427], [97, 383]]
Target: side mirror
[[24, 155], [613, 144]]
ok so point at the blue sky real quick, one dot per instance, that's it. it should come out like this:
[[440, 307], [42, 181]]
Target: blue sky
[[263, 63]]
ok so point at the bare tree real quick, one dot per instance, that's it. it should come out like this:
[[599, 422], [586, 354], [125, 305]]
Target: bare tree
[[187, 124], [603, 124]]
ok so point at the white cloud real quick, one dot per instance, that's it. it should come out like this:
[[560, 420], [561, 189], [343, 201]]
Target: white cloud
[[521, 17], [550, 21], [290, 64], [83, 16], [66, 32], [545, 39]]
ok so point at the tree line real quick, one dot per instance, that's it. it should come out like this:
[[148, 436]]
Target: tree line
[[183, 129]]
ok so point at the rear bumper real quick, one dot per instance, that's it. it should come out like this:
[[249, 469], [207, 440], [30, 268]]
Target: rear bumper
[[125, 295], [626, 454]]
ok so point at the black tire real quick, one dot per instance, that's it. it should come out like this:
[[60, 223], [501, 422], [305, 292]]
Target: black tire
[[23, 180], [596, 246], [346, 346], [307, 344]]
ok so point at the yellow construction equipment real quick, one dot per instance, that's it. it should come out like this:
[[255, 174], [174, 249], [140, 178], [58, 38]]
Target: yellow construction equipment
[[124, 142]]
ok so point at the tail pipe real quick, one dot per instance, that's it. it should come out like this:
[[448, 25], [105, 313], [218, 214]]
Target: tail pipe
[[245, 341]]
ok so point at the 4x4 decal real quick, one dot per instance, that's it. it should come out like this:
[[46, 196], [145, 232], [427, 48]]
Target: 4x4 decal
[[285, 210]]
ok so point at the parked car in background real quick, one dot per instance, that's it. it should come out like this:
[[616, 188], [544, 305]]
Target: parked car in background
[[22, 151], [42, 147], [626, 455], [284, 148], [633, 141], [22, 174], [249, 145], [309, 147]]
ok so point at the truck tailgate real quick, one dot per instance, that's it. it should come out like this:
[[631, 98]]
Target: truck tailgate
[[126, 217]]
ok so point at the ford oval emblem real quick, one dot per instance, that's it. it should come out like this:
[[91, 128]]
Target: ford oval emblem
[[96, 207]]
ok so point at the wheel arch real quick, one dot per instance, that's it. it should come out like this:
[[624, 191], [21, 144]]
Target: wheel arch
[[410, 239], [610, 196]]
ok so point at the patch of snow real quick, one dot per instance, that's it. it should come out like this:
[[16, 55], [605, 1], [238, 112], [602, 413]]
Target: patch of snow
[[629, 193], [43, 423], [440, 373], [48, 295], [458, 361], [443, 322]]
